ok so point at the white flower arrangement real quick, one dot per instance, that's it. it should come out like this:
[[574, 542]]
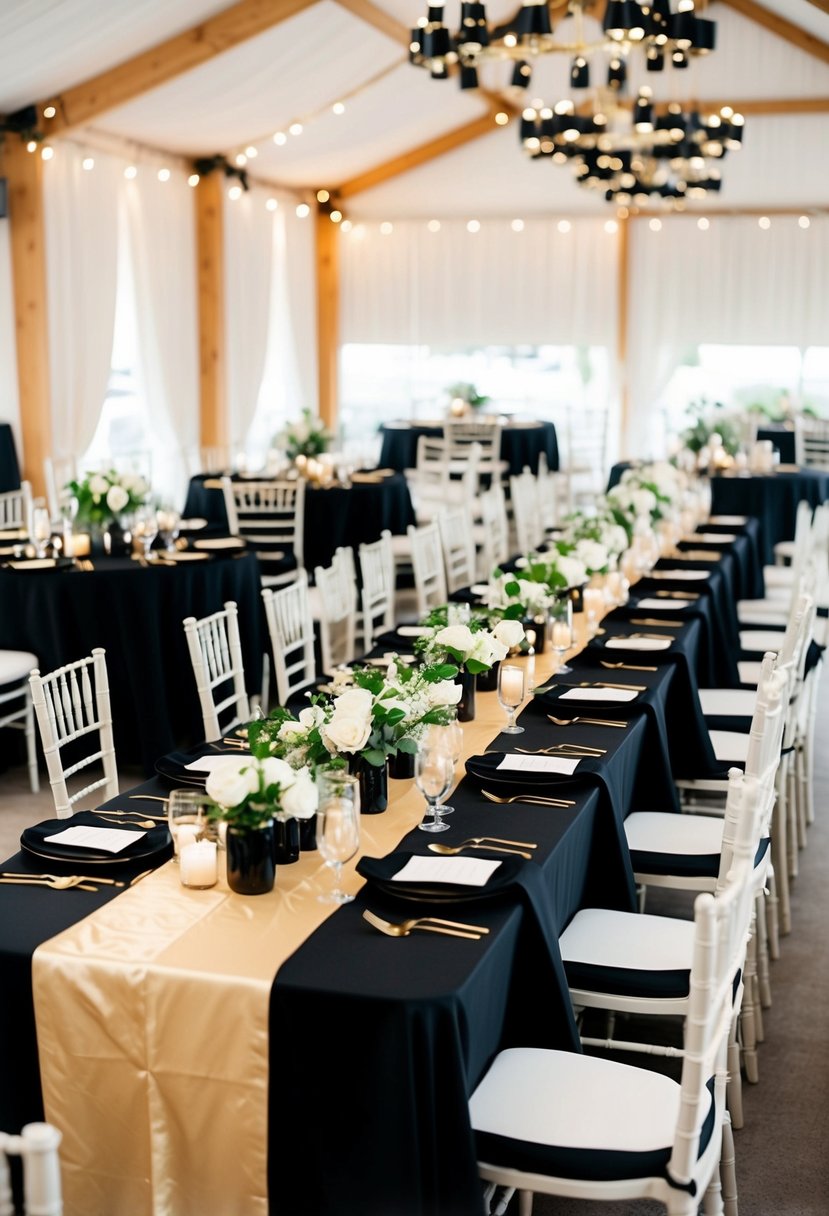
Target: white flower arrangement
[[104, 496], [475, 650], [307, 436], [251, 790]]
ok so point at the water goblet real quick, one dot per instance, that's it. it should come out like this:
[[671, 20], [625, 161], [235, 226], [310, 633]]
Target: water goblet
[[433, 777], [41, 530], [187, 818], [145, 527], [448, 738], [561, 630], [169, 522], [338, 827], [510, 695]]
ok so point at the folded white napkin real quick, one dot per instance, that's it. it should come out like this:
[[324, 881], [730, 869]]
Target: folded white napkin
[[713, 538], [637, 644], [110, 840], [412, 631], [539, 764], [691, 576], [666, 605], [461, 871], [730, 521], [206, 764], [599, 694]]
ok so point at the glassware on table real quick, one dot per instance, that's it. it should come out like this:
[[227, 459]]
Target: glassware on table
[[41, 530], [593, 604], [68, 506], [561, 630], [145, 528], [510, 695], [434, 773], [187, 818], [169, 522], [338, 827], [447, 737]]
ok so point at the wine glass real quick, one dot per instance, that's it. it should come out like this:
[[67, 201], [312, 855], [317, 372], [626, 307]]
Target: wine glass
[[434, 772], [169, 522], [561, 630], [41, 530], [447, 738], [511, 694], [338, 827], [145, 528], [187, 818]]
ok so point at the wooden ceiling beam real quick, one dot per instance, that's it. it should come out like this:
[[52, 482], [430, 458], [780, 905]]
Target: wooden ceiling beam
[[823, 5], [795, 35], [149, 69], [379, 19]]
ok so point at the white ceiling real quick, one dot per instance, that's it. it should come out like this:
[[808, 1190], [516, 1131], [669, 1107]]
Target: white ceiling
[[296, 70]]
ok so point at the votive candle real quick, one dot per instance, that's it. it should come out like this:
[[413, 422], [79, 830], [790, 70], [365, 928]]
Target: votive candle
[[199, 865]]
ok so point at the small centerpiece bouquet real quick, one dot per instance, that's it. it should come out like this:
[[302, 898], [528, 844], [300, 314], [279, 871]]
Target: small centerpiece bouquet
[[713, 429], [474, 649], [308, 436], [104, 497], [464, 397]]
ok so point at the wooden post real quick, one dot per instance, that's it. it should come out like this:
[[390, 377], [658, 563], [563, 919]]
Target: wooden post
[[210, 259], [328, 317], [24, 171], [622, 332]]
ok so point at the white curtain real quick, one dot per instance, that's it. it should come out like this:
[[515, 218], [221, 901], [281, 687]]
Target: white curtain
[[495, 286], [9, 405], [81, 221], [160, 231], [248, 244], [732, 283]]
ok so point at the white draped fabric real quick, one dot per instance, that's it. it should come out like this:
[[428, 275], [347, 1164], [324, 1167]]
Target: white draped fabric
[[300, 317], [160, 229], [248, 234], [734, 283], [491, 287], [81, 221], [9, 407]]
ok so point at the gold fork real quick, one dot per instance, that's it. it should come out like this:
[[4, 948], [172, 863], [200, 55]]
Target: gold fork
[[56, 883], [148, 797], [449, 850], [538, 799], [626, 666], [404, 928], [588, 721], [565, 750], [110, 882]]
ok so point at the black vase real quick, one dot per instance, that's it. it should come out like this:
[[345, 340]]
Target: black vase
[[374, 785], [539, 628], [466, 705], [307, 834], [401, 766], [487, 681], [117, 540], [250, 864], [285, 841]]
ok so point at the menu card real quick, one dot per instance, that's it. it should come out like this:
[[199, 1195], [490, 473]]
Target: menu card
[[540, 764], [111, 840], [460, 871]]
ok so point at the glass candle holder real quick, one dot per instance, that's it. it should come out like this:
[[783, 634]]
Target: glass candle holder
[[198, 865]]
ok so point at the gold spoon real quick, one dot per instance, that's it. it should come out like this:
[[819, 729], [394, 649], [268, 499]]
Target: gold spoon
[[626, 666], [588, 721], [448, 850], [538, 799]]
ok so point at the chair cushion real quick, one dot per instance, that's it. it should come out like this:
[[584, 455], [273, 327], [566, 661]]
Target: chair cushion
[[628, 953], [15, 665], [784, 549], [576, 1116], [727, 702], [778, 577], [730, 746], [662, 842], [769, 612], [749, 670], [759, 641]]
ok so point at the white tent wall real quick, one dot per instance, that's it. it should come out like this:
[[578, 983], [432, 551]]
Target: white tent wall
[[9, 403], [734, 283]]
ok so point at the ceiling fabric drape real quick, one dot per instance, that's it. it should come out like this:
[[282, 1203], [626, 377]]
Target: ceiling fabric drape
[[496, 287], [81, 222]]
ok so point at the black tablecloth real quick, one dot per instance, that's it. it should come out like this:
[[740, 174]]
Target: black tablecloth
[[520, 445], [9, 469], [136, 614], [773, 498], [782, 437], [333, 517]]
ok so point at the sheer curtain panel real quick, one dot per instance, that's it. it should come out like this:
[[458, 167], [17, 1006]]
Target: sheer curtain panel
[[81, 220], [248, 228]]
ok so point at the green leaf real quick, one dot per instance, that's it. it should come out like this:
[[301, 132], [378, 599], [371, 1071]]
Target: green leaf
[[407, 745], [375, 756], [475, 667]]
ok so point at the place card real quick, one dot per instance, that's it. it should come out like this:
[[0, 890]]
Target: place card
[[459, 871], [690, 576], [666, 605], [540, 764], [111, 840], [599, 694], [413, 631], [637, 643]]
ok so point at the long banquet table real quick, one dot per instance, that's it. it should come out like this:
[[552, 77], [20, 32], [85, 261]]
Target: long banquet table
[[521, 444], [205, 1053]]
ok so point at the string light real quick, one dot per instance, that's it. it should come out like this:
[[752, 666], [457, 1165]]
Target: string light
[[295, 128], [323, 196], [280, 138], [164, 175], [501, 118], [47, 151], [88, 163], [193, 179], [303, 211], [49, 111], [251, 152], [433, 225], [804, 221], [764, 222], [703, 224], [346, 225], [610, 226], [271, 204], [517, 225], [473, 226], [655, 225], [240, 159], [336, 217], [338, 107], [130, 172], [564, 225], [31, 146], [234, 192], [386, 228]]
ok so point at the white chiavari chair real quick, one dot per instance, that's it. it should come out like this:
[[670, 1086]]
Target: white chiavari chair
[[427, 564], [378, 587], [785, 550], [71, 707], [811, 439], [291, 631], [784, 583], [15, 694], [493, 530], [216, 654], [526, 514], [553, 495], [37, 1146], [462, 434], [458, 544], [16, 508], [270, 515], [337, 591], [438, 482], [562, 1123]]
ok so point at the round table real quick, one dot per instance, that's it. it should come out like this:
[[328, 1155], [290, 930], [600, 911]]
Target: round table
[[352, 515], [521, 444], [772, 497], [9, 469], [781, 435], [136, 614]]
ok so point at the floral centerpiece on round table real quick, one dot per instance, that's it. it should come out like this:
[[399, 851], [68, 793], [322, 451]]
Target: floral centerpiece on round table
[[104, 497], [251, 792], [308, 436]]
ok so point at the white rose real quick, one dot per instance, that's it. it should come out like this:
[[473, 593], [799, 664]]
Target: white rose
[[129, 481], [98, 484], [457, 637], [509, 633], [311, 716], [290, 730], [300, 801], [232, 781], [488, 649], [444, 692], [346, 734], [643, 501], [355, 702], [593, 554], [572, 570], [277, 772], [117, 498]]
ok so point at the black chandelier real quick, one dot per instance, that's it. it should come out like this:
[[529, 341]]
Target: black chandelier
[[631, 152]]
